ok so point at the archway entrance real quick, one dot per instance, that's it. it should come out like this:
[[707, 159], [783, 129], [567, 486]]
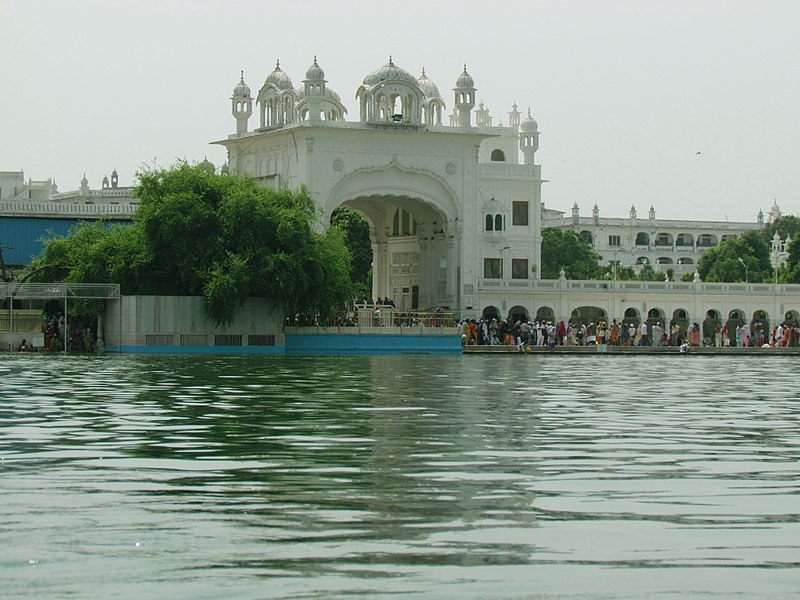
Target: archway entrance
[[517, 313], [412, 216], [583, 315]]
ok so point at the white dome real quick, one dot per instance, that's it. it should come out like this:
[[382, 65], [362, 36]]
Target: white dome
[[529, 124], [279, 79], [315, 72], [428, 87], [465, 80], [242, 90], [390, 72]]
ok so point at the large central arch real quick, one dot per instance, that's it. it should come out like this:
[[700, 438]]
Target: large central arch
[[419, 268]]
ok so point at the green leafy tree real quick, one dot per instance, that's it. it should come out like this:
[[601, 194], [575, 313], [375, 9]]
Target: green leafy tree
[[791, 272], [727, 261], [567, 250], [787, 225], [356, 231], [225, 238]]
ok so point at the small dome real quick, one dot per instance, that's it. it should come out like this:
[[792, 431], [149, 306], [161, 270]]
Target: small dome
[[428, 87], [390, 72], [241, 90], [529, 124], [279, 79], [315, 72], [465, 80], [329, 93], [207, 165]]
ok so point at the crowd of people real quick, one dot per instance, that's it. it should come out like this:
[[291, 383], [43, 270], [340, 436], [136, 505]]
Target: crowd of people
[[492, 332], [78, 334]]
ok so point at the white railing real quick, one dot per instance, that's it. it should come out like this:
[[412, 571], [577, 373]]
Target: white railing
[[56, 209], [654, 287]]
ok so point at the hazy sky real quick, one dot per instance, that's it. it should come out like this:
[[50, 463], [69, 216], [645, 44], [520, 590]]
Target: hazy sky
[[625, 92]]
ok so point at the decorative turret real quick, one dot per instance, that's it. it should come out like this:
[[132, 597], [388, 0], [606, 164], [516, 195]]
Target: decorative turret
[[774, 212], [114, 179], [513, 116], [633, 212], [314, 87], [464, 97], [84, 191], [105, 182], [596, 214], [576, 213], [529, 138], [241, 105], [652, 213]]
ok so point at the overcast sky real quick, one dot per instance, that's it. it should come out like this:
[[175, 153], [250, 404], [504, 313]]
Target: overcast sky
[[626, 93]]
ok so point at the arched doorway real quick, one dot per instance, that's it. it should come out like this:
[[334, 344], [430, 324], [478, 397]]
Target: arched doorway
[[517, 313], [680, 317], [710, 322], [735, 319], [545, 313], [583, 315], [489, 313], [413, 219], [759, 327]]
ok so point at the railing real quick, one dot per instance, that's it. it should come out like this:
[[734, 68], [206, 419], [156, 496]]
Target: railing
[[619, 286], [24, 320], [58, 209], [384, 316]]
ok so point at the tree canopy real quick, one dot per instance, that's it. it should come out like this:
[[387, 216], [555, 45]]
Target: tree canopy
[[745, 258], [356, 231], [567, 250], [222, 237]]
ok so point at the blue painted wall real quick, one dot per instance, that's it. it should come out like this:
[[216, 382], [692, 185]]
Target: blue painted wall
[[22, 236]]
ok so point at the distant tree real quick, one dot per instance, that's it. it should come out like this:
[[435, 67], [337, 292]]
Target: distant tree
[[727, 261], [356, 230], [791, 272], [567, 250], [787, 225], [222, 237]]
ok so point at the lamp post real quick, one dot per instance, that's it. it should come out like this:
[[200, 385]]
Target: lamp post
[[746, 279]]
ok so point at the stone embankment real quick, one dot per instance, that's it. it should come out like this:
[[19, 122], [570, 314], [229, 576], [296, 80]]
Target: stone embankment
[[593, 350]]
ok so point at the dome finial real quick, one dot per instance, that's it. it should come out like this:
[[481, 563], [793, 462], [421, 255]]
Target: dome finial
[[315, 59], [278, 65], [390, 60], [529, 113], [242, 80]]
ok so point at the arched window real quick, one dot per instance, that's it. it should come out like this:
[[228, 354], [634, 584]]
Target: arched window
[[663, 260], [685, 261], [664, 239], [498, 223], [706, 240], [587, 237], [642, 260], [684, 240], [498, 156], [489, 223], [642, 239]]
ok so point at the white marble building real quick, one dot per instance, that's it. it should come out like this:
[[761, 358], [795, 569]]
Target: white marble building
[[450, 206], [644, 239]]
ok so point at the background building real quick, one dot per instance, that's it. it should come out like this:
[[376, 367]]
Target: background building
[[639, 240]]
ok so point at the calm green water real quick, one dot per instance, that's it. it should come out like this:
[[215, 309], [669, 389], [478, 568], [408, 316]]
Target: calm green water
[[385, 477]]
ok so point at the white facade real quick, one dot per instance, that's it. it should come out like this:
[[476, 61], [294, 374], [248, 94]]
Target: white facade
[[14, 188], [448, 205], [643, 239]]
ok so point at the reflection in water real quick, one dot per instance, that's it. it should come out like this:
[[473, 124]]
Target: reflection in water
[[468, 477]]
